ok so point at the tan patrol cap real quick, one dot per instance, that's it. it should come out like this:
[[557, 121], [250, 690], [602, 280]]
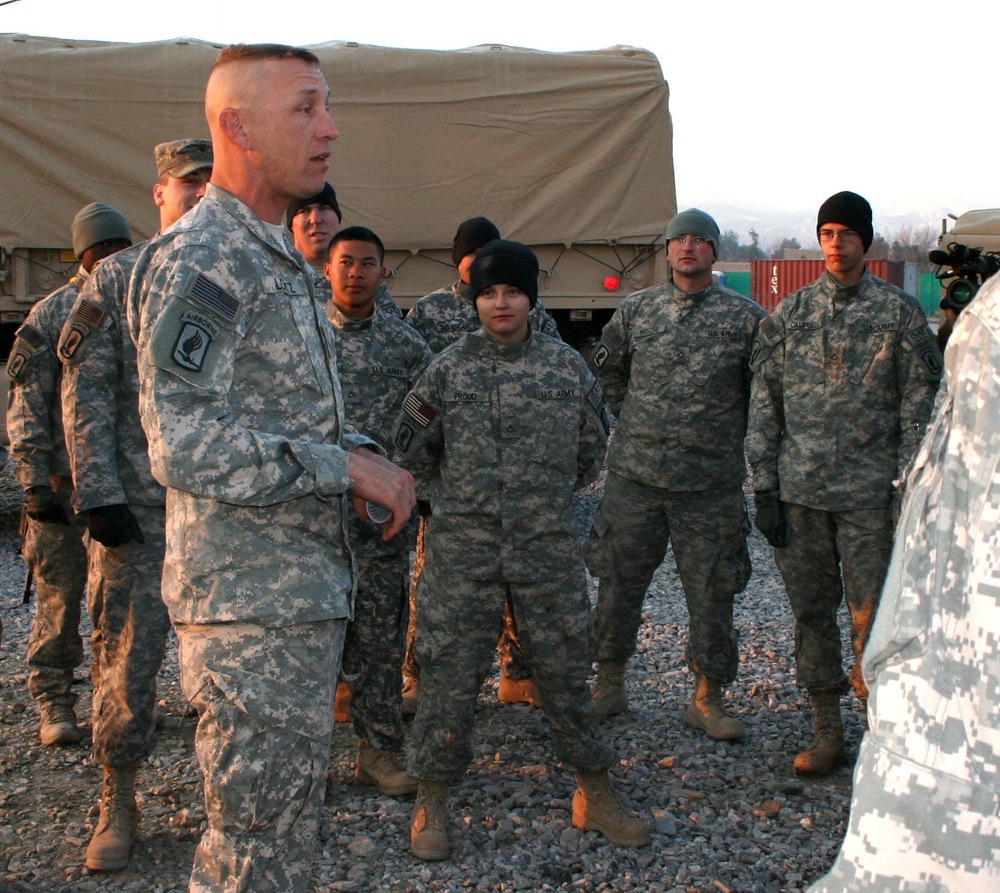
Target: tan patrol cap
[[182, 157]]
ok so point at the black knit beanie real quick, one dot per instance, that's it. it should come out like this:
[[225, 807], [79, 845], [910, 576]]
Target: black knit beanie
[[326, 197], [851, 210], [505, 263], [471, 235]]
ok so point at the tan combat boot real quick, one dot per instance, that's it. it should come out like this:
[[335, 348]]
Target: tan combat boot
[[828, 745], [707, 712], [596, 807], [382, 768], [609, 688], [411, 693], [519, 691], [429, 825], [111, 844], [58, 725]]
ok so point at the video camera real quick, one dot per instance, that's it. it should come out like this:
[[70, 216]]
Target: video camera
[[967, 268]]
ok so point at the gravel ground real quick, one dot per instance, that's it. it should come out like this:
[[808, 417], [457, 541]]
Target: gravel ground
[[726, 817]]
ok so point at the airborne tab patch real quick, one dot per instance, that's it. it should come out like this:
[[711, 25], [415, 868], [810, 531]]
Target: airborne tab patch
[[196, 334], [205, 292]]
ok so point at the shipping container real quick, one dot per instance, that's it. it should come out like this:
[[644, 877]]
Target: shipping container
[[772, 280]]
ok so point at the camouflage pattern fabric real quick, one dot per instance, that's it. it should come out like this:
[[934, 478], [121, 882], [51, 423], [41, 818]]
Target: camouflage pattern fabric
[[55, 552], [263, 746], [241, 403], [924, 810], [836, 556], [110, 464], [676, 368], [443, 316], [708, 530], [129, 640], [844, 382], [108, 449], [498, 437], [380, 358]]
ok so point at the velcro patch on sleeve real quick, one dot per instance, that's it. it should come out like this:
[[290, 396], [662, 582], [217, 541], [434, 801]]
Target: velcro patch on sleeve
[[30, 336], [85, 318], [421, 413], [210, 296]]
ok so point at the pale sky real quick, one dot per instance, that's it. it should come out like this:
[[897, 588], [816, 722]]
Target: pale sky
[[775, 104]]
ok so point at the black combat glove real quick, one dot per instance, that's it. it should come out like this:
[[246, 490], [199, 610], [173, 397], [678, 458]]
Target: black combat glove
[[424, 508], [114, 525], [42, 504], [771, 519]]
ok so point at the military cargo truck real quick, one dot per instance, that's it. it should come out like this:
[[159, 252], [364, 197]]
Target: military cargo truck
[[570, 153]]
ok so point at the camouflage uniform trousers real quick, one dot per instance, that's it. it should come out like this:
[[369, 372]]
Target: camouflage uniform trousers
[[708, 532], [129, 640], [456, 631], [265, 698], [373, 650], [58, 558], [821, 544], [891, 839], [513, 663]]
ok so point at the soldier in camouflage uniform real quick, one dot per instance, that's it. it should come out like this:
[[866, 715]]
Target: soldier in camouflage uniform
[[924, 810], [242, 406], [379, 358], [674, 362], [442, 317], [53, 542], [314, 221], [501, 429], [124, 507], [845, 372]]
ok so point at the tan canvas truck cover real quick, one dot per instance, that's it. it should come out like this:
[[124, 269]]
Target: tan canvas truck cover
[[975, 229], [567, 152]]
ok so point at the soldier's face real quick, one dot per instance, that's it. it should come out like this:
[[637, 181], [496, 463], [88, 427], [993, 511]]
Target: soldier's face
[[313, 227], [690, 255], [503, 311], [175, 196], [843, 251], [289, 129], [355, 272]]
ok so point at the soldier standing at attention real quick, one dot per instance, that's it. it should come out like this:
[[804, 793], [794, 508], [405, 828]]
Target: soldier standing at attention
[[53, 545], [242, 406], [380, 358], [123, 504], [674, 362], [501, 429], [442, 317], [845, 373]]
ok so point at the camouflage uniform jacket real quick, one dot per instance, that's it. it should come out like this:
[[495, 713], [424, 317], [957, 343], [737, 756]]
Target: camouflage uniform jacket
[[34, 413], [498, 437], [844, 383], [443, 316], [928, 784], [380, 359], [241, 403], [675, 368], [108, 449]]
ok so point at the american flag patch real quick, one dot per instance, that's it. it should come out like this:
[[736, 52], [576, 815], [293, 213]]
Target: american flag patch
[[205, 292], [30, 336], [422, 413], [89, 313]]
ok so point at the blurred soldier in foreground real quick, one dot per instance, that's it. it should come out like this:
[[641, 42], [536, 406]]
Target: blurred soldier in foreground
[[927, 784], [674, 362], [501, 429], [241, 403], [845, 372], [442, 317], [380, 358], [123, 504], [53, 542], [314, 221]]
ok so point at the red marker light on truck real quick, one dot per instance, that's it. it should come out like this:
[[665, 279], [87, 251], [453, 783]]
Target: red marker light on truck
[[610, 283]]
